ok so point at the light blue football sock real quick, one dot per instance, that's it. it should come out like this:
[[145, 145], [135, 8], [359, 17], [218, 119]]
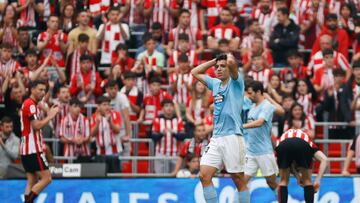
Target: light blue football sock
[[210, 194]]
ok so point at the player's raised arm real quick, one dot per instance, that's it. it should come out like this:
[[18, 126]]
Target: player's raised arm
[[233, 69], [199, 71], [279, 110]]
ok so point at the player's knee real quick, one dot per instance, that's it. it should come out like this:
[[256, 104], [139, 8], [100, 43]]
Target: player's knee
[[205, 178], [47, 179]]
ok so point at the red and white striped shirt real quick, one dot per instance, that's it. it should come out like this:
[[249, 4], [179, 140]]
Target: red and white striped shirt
[[132, 95], [98, 6], [161, 14], [71, 129], [307, 103], [53, 46], [266, 21], [262, 75], [152, 104], [317, 61], [213, 10], [56, 121], [181, 81], [194, 9], [296, 133], [168, 145], [112, 37], [198, 110], [194, 148], [134, 17], [193, 33], [107, 142], [224, 32], [192, 56], [31, 140]]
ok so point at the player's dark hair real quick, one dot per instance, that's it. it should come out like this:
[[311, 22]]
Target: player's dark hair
[[328, 52], [167, 101], [257, 86], [184, 36], [156, 26], [184, 11], [224, 41], [356, 64], [121, 46], [85, 57], [83, 37], [129, 74], [338, 72], [35, 83], [155, 79], [293, 52], [6, 119], [221, 57], [111, 83], [102, 99], [183, 58], [284, 11]]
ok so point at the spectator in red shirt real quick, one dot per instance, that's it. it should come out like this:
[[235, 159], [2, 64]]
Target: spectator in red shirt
[[86, 85], [168, 133], [195, 146], [152, 102], [195, 37], [122, 62], [295, 71], [225, 30], [53, 41], [340, 41]]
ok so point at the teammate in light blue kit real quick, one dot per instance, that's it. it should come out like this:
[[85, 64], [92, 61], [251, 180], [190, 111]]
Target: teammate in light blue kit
[[227, 143], [259, 149]]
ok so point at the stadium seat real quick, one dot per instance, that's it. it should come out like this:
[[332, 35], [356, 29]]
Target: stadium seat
[[334, 150], [142, 167], [352, 168], [335, 167]]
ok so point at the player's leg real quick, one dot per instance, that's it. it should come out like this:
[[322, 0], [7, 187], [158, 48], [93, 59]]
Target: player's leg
[[233, 153], [284, 181], [210, 162], [269, 169], [45, 180], [308, 186], [31, 181], [206, 174]]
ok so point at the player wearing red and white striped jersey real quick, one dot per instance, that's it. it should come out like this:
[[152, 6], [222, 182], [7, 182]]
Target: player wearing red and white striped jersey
[[194, 34], [168, 133], [225, 30], [182, 81], [112, 32], [162, 11], [32, 156], [105, 127], [75, 131], [295, 151], [53, 41]]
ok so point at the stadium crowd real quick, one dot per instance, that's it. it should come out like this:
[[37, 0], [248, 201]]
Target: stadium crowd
[[129, 62]]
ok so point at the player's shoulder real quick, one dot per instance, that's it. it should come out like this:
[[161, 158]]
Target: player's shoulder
[[28, 102]]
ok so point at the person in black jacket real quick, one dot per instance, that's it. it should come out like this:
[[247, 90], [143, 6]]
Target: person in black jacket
[[284, 37], [337, 103]]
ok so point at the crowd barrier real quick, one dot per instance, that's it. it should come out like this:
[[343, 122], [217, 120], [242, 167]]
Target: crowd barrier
[[170, 190]]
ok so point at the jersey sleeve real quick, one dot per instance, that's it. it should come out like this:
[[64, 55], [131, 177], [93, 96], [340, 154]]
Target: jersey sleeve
[[210, 82], [267, 112], [30, 111]]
